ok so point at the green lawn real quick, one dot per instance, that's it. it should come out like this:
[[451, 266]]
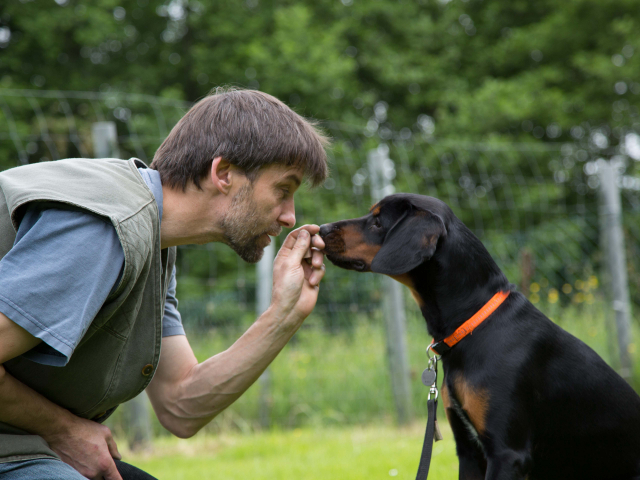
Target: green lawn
[[353, 453]]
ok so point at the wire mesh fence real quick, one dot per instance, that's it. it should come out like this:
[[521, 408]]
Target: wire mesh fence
[[535, 205]]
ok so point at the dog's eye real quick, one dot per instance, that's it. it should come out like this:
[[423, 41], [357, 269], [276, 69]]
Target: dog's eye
[[376, 223]]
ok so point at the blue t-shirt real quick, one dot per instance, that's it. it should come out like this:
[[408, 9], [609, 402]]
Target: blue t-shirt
[[63, 266]]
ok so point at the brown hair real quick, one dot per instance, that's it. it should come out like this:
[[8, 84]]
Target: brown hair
[[247, 128]]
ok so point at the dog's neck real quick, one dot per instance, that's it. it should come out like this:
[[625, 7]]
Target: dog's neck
[[456, 282]]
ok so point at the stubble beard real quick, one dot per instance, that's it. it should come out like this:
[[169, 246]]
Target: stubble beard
[[242, 226]]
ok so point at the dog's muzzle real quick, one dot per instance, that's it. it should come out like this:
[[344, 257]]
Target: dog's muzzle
[[332, 238]]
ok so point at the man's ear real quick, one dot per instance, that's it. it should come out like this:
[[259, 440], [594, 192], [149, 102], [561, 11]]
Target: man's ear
[[410, 242], [221, 175]]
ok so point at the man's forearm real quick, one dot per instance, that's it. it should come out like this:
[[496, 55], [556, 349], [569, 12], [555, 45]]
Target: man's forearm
[[24, 408], [213, 385], [186, 395]]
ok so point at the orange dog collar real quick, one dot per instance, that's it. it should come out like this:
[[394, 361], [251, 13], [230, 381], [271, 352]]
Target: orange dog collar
[[470, 325]]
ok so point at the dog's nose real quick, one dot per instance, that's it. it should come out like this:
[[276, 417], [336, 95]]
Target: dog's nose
[[326, 229]]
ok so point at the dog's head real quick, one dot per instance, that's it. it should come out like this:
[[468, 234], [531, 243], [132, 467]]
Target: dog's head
[[400, 232]]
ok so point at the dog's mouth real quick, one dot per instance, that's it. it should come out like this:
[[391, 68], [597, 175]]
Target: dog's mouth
[[347, 263], [335, 249], [333, 243]]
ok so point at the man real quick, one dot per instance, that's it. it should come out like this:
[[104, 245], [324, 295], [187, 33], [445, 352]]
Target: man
[[87, 280]]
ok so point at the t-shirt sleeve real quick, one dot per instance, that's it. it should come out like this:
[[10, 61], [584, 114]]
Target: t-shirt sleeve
[[172, 321], [61, 269]]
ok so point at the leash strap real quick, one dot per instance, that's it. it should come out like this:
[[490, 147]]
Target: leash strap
[[129, 472], [427, 447], [429, 379]]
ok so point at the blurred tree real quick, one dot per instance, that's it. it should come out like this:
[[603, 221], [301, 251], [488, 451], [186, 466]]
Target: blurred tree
[[516, 69], [410, 71]]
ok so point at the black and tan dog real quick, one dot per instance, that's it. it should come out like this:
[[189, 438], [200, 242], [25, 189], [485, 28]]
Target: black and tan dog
[[525, 399]]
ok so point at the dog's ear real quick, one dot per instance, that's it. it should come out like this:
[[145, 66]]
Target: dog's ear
[[411, 241]]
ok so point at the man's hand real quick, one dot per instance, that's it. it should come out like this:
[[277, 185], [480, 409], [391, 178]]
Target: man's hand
[[88, 447], [295, 279]]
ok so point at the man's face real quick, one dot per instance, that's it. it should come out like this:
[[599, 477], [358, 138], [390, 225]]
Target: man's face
[[260, 209]]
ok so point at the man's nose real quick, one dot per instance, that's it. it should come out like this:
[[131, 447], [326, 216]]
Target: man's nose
[[288, 216]]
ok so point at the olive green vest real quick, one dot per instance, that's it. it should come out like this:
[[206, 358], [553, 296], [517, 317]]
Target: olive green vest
[[118, 354]]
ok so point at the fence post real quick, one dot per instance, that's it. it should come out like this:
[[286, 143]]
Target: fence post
[[263, 300], [611, 223], [136, 411], [105, 140], [381, 171]]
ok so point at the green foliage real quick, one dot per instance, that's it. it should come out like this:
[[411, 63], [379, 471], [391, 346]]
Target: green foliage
[[477, 67]]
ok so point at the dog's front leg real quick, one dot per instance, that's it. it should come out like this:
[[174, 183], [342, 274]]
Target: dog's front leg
[[508, 465], [473, 465]]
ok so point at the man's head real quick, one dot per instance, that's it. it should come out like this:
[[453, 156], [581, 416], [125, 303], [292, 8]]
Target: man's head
[[239, 156], [249, 129]]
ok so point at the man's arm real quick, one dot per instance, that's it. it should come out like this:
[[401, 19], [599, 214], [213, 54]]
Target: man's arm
[[85, 445], [187, 395]]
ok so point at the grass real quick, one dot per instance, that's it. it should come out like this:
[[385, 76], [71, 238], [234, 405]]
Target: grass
[[354, 453], [331, 408]]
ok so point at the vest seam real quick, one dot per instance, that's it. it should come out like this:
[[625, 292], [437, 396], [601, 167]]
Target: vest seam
[[139, 211], [128, 267], [52, 197], [127, 250], [162, 276], [111, 331], [144, 185]]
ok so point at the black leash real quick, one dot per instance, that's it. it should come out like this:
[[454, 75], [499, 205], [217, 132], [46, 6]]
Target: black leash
[[129, 472], [429, 377]]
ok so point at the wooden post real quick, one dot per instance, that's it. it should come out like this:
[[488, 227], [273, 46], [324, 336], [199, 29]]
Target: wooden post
[[263, 300], [527, 269], [611, 224], [136, 411], [380, 172], [105, 140]]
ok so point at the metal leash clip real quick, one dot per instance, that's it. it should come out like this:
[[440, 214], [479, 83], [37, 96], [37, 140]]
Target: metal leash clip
[[430, 374]]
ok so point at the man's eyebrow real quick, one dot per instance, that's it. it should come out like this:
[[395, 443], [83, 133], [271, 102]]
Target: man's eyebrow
[[293, 178]]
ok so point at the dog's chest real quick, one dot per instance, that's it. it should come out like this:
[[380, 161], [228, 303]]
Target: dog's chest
[[469, 403]]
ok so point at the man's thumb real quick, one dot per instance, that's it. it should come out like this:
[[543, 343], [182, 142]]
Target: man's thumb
[[301, 246]]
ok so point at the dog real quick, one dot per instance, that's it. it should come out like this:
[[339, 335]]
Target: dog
[[524, 398]]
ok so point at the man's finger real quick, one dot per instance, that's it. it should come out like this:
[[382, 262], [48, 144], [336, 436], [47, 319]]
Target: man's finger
[[290, 241], [113, 448], [316, 276], [317, 242], [112, 472], [300, 247], [317, 259]]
